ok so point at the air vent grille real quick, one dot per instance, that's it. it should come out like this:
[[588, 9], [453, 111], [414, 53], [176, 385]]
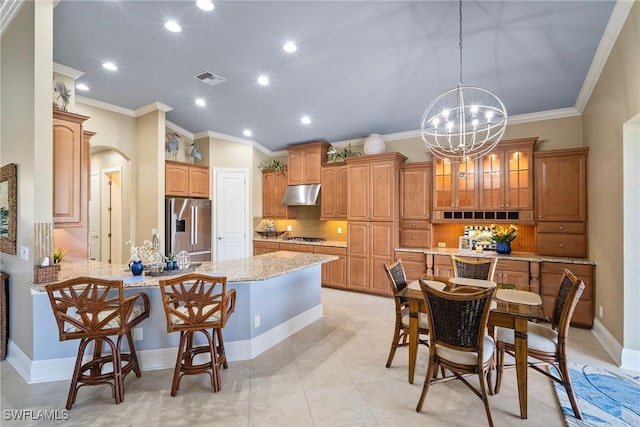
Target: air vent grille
[[209, 78]]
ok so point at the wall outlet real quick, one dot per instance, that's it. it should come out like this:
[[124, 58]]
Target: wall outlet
[[442, 244], [289, 228], [339, 230], [600, 311], [256, 321], [137, 334], [24, 253]]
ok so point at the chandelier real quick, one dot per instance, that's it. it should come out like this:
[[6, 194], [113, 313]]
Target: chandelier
[[465, 122]]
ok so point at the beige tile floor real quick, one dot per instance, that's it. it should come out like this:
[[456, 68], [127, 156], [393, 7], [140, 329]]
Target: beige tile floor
[[332, 373]]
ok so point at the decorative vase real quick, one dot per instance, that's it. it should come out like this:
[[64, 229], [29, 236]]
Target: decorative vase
[[503, 247], [374, 144], [136, 267]]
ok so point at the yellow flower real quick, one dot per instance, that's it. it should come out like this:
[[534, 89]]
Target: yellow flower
[[504, 234]]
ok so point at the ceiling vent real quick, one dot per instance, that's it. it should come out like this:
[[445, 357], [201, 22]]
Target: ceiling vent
[[209, 78]]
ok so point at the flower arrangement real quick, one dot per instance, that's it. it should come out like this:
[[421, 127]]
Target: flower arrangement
[[272, 164], [144, 252], [504, 234], [340, 156], [58, 255], [269, 225]]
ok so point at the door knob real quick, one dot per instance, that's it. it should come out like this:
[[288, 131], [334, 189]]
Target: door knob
[[219, 238]]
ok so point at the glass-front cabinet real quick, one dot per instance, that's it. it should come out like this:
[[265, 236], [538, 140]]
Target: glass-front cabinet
[[455, 185]]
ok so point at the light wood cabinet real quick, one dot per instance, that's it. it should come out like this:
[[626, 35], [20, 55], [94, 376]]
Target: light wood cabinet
[[295, 247], [71, 167], [260, 248], [333, 200], [186, 180], [455, 186], [415, 205], [440, 265], [334, 273], [513, 272], [550, 279], [370, 246], [506, 177], [561, 202], [373, 187], [305, 161], [274, 185], [414, 264]]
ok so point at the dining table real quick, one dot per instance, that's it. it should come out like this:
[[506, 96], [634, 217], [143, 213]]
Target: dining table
[[513, 311]]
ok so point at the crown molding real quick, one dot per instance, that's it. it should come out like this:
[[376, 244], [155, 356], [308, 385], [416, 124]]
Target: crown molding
[[67, 71], [237, 140], [154, 106], [612, 31], [105, 106], [8, 10], [174, 127], [560, 113]]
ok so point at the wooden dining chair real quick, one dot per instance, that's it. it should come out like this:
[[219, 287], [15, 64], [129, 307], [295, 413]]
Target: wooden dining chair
[[93, 310], [458, 339], [470, 268], [398, 281], [547, 345], [196, 303]]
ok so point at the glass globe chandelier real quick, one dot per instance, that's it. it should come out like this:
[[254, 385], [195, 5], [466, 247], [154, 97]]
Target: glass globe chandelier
[[465, 122]]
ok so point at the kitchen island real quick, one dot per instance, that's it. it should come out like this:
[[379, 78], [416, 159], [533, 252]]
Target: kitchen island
[[277, 295]]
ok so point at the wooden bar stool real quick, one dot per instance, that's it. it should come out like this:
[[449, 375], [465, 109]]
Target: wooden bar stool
[[92, 310], [198, 303]]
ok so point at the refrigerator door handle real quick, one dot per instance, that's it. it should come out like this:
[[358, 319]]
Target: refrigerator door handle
[[196, 229], [192, 225]]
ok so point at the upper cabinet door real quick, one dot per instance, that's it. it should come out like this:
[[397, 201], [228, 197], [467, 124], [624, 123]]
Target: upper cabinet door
[[455, 185], [383, 191], [358, 192], [415, 190], [305, 163], [70, 169], [333, 202], [561, 185]]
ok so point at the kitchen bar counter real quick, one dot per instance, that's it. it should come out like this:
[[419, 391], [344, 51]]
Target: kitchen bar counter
[[334, 243], [515, 256], [251, 269], [277, 295]]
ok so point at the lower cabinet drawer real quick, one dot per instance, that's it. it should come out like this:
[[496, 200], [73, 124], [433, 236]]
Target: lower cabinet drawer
[[411, 256], [569, 245], [562, 227], [415, 224], [295, 247], [582, 316], [415, 238], [414, 270]]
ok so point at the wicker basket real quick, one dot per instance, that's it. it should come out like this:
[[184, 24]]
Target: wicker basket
[[45, 274]]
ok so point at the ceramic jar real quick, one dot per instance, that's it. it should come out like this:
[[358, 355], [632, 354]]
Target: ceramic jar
[[374, 144]]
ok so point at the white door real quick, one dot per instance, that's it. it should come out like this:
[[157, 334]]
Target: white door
[[231, 204], [94, 218]]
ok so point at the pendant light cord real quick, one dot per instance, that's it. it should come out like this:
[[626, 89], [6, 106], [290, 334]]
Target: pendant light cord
[[460, 40]]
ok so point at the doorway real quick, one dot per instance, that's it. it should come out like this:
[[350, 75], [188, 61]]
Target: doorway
[[105, 216], [231, 202]]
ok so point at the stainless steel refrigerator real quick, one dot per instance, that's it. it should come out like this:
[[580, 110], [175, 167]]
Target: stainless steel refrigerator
[[188, 227]]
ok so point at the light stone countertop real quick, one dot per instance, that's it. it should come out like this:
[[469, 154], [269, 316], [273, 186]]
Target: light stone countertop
[[335, 243], [516, 256], [251, 269]]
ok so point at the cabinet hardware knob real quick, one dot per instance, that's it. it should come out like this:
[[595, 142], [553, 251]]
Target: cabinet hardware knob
[[562, 245], [413, 238], [561, 228]]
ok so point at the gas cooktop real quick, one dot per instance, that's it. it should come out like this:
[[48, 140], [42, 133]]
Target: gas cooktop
[[304, 239]]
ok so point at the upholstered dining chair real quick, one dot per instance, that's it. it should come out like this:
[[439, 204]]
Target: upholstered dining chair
[[398, 281], [93, 310], [196, 303], [470, 268], [547, 345], [458, 339]]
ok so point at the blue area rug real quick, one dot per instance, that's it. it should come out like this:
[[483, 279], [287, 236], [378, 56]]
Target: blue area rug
[[605, 398]]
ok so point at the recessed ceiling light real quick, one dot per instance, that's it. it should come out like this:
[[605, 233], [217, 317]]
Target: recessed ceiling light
[[263, 80], [82, 86], [247, 132], [290, 47], [305, 120], [173, 26], [110, 66], [206, 5], [200, 102]]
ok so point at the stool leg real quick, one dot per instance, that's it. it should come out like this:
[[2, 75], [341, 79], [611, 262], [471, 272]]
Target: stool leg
[[222, 355], [176, 372], [73, 390], [134, 355]]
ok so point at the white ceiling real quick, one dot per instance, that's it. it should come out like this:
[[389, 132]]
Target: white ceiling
[[361, 67]]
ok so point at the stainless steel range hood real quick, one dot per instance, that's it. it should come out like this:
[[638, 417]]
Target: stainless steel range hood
[[301, 195]]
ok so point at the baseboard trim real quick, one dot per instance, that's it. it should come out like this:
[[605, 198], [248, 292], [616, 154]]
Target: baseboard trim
[[630, 360], [608, 341], [37, 371]]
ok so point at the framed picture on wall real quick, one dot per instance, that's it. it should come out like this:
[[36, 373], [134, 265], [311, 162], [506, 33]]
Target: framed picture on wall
[[464, 243]]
